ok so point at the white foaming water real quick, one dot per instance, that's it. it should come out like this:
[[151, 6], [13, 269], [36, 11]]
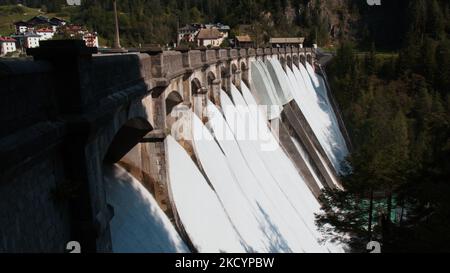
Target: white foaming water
[[264, 90], [271, 223], [282, 84], [314, 103], [282, 168], [293, 83], [243, 217], [312, 74], [277, 179], [200, 211], [302, 100], [138, 225], [264, 178], [250, 101]]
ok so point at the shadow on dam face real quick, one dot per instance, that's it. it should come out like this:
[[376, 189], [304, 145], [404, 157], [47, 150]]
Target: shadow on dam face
[[131, 133]]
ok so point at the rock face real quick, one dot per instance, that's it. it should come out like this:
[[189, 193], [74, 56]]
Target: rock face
[[337, 15]]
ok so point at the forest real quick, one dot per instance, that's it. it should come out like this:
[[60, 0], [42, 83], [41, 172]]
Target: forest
[[321, 22], [397, 110]]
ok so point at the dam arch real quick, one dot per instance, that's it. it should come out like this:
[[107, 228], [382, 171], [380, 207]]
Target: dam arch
[[196, 86], [173, 99]]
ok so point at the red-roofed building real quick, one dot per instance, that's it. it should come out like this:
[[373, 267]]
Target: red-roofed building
[[91, 39], [74, 30], [7, 45], [45, 33]]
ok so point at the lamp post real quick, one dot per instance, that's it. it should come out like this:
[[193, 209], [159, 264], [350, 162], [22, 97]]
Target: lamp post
[[116, 36]]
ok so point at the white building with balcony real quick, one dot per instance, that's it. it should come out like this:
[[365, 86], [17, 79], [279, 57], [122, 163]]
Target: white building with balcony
[[7, 45], [45, 33], [27, 40]]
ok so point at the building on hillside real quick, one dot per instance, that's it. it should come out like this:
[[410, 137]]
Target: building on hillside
[[212, 34], [73, 30], [244, 41], [209, 37], [7, 45], [27, 40], [39, 22], [44, 22], [223, 29], [40, 28], [91, 39], [287, 42], [79, 32], [57, 22], [22, 27], [45, 33], [188, 33]]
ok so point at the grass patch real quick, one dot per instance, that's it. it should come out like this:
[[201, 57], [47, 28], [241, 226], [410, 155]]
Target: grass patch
[[379, 55]]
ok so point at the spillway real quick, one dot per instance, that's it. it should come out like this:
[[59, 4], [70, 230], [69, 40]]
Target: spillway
[[266, 90], [138, 225], [275, 176], [246, 172], [232, 184], [311, 96], [245, 219], [198, 207]]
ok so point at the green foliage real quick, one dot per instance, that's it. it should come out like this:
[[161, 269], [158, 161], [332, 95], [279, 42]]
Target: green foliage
[[397, 112], [344, 214], [156, 21]]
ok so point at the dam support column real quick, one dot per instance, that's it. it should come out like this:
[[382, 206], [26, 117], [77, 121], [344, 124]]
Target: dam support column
[[199, 103], [216, 92], [284, 135], [294, 116], [237, 77], [226, 84], [154, 168]]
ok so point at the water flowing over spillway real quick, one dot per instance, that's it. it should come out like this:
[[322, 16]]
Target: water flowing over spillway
[[232, 183], [200, 211], [138, 225], [311, 96]]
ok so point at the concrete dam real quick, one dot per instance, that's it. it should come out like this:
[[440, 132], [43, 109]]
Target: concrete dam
[[218, 150]]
